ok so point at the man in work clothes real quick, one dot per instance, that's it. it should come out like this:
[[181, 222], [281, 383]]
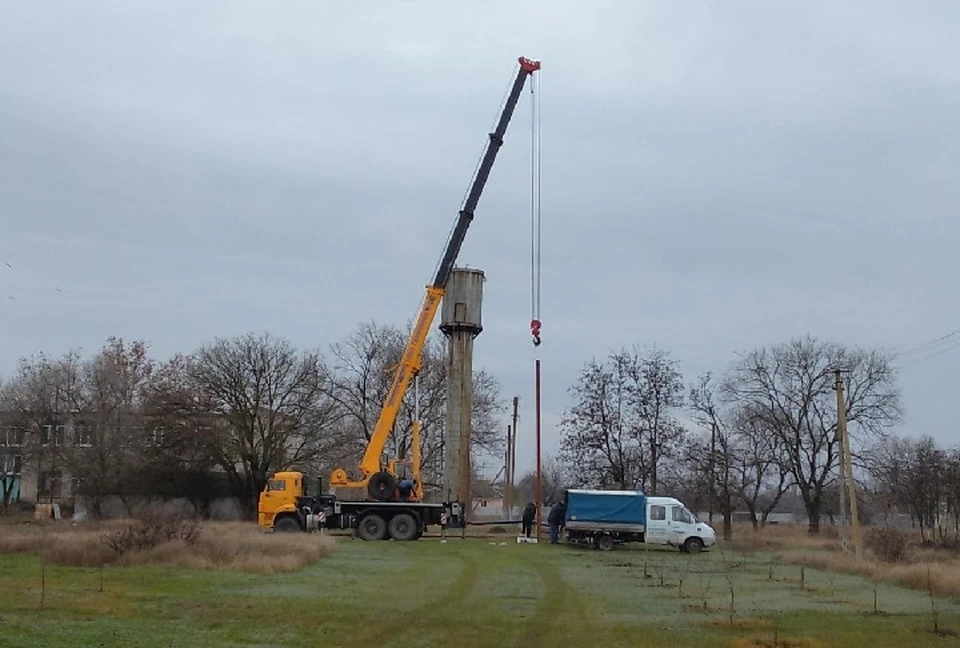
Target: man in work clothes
[[556, 518], [529, 513]]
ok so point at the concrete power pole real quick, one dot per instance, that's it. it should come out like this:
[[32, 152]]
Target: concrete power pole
[[846, 469], [461, 323]]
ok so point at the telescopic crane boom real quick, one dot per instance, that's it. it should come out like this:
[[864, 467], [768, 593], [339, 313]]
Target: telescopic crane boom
[[373, 475]]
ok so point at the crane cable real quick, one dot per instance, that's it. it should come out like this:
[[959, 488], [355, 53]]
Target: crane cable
[[535, 323]]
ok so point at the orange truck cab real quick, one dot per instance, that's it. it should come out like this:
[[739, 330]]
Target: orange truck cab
[[285, 504]]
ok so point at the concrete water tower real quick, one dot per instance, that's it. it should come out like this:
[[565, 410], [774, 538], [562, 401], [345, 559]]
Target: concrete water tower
[[460, 321]]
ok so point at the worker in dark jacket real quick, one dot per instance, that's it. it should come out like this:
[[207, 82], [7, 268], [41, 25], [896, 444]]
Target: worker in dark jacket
[[556, 518], [529, 513]]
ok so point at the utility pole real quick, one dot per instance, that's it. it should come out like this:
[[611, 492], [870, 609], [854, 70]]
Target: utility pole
[[508, 477], [513, 451], [841, 411], [846, 467], [713, 478]]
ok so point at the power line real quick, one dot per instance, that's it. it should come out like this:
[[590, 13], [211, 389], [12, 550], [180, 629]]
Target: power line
[[930, 355], [927, 346]]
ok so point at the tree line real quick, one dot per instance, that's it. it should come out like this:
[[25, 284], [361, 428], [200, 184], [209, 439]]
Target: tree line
[[743, 440], [221, 419]]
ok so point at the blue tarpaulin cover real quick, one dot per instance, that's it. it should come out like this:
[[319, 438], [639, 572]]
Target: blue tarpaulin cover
[[624, 507]]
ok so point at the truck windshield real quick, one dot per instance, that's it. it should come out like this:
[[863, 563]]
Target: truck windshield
[[276, 485]]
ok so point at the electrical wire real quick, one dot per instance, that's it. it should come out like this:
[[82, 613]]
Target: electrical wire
[[927, 346], [927, 350], [934, 354]]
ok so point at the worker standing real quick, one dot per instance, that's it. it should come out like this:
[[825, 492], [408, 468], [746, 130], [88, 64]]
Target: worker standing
[[529, 513], [556, 518]]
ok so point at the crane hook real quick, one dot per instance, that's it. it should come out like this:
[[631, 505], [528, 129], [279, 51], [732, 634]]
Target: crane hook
[[535, 331]]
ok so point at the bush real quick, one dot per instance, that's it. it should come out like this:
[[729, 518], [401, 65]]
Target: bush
[[888, 545], [171, 541], [151, 530]]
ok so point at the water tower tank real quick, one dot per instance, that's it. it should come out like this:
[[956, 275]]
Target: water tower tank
[[462, 302]]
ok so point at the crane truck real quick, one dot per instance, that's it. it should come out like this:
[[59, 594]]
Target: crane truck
[[286, 503]]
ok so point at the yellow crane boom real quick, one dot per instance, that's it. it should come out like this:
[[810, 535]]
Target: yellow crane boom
[[380, 480]]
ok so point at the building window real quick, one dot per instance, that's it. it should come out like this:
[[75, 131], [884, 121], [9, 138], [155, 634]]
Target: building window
[[11, 465], [52, 433], [15, 437], [82, 436]]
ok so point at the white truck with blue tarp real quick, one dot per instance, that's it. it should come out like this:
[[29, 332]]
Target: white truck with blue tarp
[[605, 518]]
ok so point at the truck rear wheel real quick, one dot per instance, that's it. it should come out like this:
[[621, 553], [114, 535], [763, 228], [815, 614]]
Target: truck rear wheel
[[372, 527], [403, 527], [605, 542]]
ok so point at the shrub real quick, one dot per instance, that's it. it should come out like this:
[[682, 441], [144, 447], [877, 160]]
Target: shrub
[[171, 541], [888, 545], [151, 530]]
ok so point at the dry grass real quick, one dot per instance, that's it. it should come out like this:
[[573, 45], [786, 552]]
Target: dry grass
[[769, 642], [229, 545], [781, 536], [940, 576], [914, 565]]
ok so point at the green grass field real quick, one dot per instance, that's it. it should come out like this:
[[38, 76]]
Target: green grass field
[[468, 593]]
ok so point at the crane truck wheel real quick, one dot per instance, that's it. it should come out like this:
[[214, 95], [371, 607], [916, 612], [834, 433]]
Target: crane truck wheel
[[403, 526], [286, 524], [372, 527], [382, 486]]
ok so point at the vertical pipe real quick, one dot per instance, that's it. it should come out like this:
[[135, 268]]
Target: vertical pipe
[[539, 492]]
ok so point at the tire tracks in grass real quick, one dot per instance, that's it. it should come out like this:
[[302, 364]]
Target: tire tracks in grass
[[433, 609], [559, 600]]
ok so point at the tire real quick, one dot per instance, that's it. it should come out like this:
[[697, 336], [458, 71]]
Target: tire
[[605, 543], [382, 486], [286, 524], [372, 527], [693, 545], [404, 527]]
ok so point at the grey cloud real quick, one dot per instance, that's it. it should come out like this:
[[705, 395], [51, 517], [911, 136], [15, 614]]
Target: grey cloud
[[714, 177]]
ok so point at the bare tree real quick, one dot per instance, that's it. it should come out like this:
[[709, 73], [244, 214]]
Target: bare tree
[[789, 388], [762, 468], [269, 406], [597, 436], [82, 418], [555, 478], [715, 455], [361, 371], [621, 427], [656, 389]]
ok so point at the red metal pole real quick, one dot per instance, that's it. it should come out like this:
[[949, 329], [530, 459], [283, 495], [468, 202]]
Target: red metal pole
[[539, 496]]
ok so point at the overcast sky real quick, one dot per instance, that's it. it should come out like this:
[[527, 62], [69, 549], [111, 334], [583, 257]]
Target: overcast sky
[[715, 176]]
